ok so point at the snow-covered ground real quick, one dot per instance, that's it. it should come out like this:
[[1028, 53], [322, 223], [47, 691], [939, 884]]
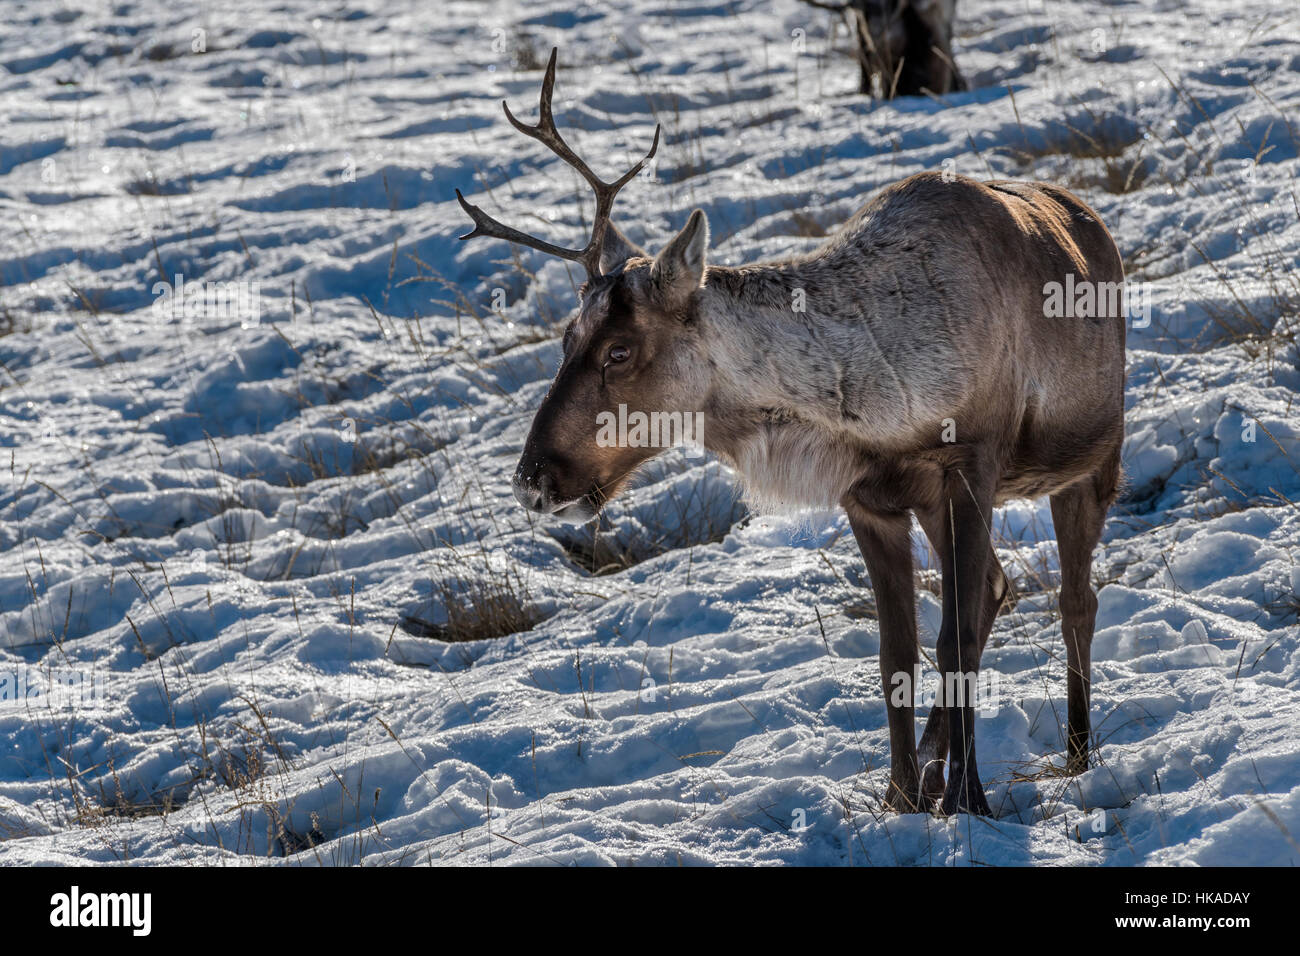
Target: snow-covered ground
[[247, 534]]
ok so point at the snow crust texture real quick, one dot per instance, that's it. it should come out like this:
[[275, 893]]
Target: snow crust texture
[[272, 552]]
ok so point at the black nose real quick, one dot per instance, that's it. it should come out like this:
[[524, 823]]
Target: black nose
[[535, 489]]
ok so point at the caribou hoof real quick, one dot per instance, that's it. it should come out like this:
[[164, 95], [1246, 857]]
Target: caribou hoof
[[965, 794], [932, 783]]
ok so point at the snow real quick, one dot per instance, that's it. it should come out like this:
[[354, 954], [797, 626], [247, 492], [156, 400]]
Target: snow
[[253, 529]]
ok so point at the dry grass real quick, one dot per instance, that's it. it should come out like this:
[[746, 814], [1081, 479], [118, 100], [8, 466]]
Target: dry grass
[[473, 599], [1107, 155]]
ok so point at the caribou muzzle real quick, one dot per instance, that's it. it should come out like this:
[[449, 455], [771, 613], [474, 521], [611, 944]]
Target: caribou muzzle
[[542, 484]]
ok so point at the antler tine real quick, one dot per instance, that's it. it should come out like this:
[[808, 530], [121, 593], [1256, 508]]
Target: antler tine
[[627, 176], [605, 194], [485, 225], [545, 132]]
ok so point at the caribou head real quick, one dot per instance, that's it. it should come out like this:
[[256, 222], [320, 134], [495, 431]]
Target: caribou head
[[629, 352]]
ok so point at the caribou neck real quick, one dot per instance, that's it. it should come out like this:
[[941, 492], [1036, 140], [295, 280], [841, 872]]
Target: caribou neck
[[791, 350]]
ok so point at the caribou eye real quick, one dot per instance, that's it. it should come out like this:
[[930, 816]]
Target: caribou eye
[[619, 353]]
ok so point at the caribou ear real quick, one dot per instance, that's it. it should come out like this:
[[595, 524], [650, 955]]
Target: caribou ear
[[616, 249], [679, 269]]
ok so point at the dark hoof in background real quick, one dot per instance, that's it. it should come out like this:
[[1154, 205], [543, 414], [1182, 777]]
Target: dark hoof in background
[[932, 783]]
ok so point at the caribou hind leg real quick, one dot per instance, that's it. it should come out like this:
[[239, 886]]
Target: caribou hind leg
[[1078, 514]]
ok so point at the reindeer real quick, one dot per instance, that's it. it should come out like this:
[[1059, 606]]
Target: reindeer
[[904, 47], [921, 377]]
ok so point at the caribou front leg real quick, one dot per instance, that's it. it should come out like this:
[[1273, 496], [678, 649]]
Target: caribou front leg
[[932, 751], [965, 552], [885, 543]]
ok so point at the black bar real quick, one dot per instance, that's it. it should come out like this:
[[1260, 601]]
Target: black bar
[[1002, 904]]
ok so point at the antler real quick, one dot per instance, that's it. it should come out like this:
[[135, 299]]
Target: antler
[[546, 133]]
